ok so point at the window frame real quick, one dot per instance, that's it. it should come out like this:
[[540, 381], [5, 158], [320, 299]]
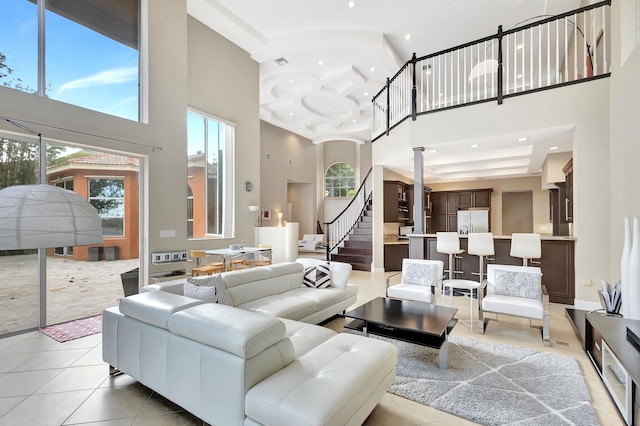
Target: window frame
[[228, 176], [123, 198], [326, 188]]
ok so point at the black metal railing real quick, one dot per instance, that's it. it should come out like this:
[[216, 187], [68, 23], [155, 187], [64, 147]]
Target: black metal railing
[[341, 226], [564, 49]]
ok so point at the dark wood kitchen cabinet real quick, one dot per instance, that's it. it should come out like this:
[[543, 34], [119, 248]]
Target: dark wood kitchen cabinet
[[398, 202], [568, 201], [445, 206], [478, 198]]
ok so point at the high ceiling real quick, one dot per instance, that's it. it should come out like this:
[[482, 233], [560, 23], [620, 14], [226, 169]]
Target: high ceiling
[[321, 62]]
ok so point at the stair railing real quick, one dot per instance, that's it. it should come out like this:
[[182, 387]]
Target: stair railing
[[341, 226]]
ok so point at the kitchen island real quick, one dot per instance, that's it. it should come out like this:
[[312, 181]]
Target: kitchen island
[[557, 261]]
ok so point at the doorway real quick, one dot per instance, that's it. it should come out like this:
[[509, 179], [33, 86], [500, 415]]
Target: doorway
[[517, 212], [300, 198]]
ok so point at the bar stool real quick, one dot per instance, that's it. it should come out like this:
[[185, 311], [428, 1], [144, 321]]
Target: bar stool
[[449, 243], [481, 245], [526, 246]]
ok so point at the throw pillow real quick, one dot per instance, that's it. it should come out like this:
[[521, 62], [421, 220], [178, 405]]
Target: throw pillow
[[419, 273], [518, 284], [201, 288], [317, 276]]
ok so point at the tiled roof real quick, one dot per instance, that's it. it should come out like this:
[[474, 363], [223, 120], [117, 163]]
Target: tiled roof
[[106, 159]]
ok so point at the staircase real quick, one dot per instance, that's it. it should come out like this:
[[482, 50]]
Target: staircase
[[358, 246]]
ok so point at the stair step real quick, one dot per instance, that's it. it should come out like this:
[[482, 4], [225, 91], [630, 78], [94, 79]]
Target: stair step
[[360, 237], [366, 219], [361, 231], [355, 251], [361, 266], [357, 244], [347, 258], [365, 224]]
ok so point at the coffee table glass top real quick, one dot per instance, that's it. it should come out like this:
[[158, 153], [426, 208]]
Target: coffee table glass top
[[405, 314]]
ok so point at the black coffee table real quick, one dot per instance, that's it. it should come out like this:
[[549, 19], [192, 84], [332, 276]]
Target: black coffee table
[[421, 323]]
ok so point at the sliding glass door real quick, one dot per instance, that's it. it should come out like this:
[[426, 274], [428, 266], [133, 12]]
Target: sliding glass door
[[79, 281]]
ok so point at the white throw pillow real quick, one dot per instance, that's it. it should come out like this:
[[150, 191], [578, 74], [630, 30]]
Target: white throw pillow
[[518, 284], [317, 276], [340, 273], [201, 288]]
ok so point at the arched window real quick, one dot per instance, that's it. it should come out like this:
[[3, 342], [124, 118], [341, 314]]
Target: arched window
[[340, 181]]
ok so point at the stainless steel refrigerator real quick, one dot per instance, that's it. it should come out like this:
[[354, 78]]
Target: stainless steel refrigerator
[[473, 221]]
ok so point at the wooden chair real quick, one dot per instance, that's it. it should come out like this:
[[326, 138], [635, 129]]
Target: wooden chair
[[242, 261], [263, 258], [206, 269]]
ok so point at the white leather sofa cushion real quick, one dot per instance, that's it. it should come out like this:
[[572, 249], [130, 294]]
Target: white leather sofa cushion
[[155, 307], [251, 284], [286, 305], [236, 331], [518, 306], [325, 297], [326, 386], [418, 293], [306, 337]]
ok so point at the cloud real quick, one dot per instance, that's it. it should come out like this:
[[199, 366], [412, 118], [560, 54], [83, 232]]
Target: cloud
[[102, 78]]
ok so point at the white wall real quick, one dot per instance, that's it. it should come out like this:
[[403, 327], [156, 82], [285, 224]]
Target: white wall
[[586, 106], [625, 127]]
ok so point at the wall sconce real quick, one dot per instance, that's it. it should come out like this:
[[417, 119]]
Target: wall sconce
[[253, 210], [280, 220]]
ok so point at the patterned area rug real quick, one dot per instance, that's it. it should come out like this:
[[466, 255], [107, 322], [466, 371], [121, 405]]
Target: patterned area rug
[[495, 384], [74, 329]]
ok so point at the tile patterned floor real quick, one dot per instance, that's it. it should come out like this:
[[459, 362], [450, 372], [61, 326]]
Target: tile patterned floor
[[43, 382]]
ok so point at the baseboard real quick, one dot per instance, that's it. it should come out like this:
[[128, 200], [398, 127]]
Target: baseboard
[[586, 305], [376, 270]]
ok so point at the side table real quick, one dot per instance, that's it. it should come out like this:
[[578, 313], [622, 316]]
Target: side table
[[462, 285]]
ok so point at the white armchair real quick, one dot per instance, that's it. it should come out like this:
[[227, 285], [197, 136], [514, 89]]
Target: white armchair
[[311, 242], [419, 279], [517, 291]]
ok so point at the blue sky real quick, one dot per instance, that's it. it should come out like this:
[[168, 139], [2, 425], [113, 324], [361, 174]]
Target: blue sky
[[83, 67]]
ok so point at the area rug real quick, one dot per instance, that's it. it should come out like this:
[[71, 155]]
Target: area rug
[[495, 384], [74, 329]]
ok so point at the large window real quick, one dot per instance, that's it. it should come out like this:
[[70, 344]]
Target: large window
[[91, 57], [107, 196], [340, 181], [210, 177]]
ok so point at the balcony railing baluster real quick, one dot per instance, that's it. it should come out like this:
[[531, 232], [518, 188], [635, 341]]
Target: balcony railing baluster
[[446, 81]]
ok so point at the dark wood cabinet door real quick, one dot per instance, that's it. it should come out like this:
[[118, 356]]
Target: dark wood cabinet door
[[390, 202], [557, 264], [482, 199], [452, 223], [465, 199], [438, 203], [439, 223], [393, 255], [452, 203]]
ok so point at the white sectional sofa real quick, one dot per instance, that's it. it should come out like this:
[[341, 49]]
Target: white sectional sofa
[[230, 366], [277, 290]]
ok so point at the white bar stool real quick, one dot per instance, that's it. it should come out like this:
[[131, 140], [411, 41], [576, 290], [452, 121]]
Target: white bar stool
[[449, 243], [481, 245], [526, 246]]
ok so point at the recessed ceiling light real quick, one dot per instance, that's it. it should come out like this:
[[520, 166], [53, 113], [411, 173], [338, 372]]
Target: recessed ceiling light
[[433, 151], [366, 93], [351, 4], [290, 113], [372, 69], [320, 62], [553, 148], [475, 145], [522, 139], [290, 81], [300, 131], [354, 120], [407, 37]]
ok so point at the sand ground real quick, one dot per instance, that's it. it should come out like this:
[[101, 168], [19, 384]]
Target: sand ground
[[74, 289]]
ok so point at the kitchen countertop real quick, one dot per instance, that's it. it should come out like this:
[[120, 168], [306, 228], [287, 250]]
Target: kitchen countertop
[[508, 237], [391, 239]]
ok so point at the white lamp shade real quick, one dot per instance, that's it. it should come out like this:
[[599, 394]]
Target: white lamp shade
[[254, 208], [43, 216]]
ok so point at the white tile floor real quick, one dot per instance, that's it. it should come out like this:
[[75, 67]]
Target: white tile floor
[[43, 382]]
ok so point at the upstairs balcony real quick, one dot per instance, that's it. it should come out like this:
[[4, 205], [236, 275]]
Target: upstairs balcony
[[551, 52]]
